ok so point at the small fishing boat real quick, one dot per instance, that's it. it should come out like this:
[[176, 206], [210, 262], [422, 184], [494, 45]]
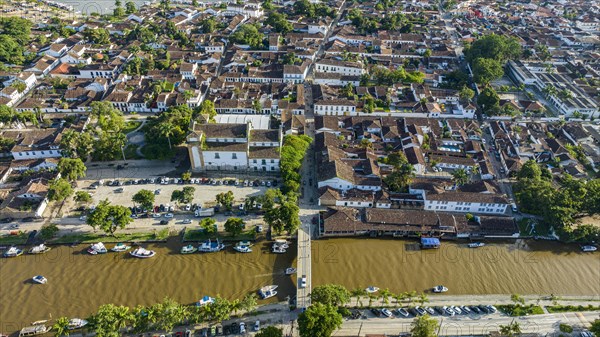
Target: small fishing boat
[[440, 289], [40, 279], [242, 249], [210, 246], [76, 323], [206, 300], [476, 244], [39, 249], [189, 249], [589, 248], [97, 248], [290, 271], [120, 247], [371, 290], [278, 249], [13, 252], [36, 329], [267, 291], [142, 253]]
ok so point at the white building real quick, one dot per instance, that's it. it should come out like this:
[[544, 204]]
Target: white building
[[335, 107], [340, 67]]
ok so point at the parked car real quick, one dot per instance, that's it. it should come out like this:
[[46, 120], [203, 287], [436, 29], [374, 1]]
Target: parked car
[[119, 190], [169, 215], [302, 282], [156, 215], [242, 327], [376, 312], [186, 221], [386, 312], [256, 325], [164, 222]]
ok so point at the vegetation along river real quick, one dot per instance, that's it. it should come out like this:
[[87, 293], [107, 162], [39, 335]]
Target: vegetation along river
[[78, 283]]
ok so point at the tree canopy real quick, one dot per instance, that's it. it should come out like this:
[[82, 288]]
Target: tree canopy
[[424, 326], [331, 294], [145, 198], [486, 70], [270, 331], [59, 190], [248, 34], [319, 320], [71, 169], [234, 226], [492, 46], [109, 218]]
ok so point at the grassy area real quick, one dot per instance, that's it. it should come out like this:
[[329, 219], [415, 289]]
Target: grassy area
[[160, 235], [521, 310], [541, 229], [570, 308], [130, 126], [131, 152], [200, 235], [19, 239]]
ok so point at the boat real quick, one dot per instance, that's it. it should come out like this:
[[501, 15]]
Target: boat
[[589, 248], [76, 323], [440, 289], [43, 321], [40, 279], [13, 252], [210, 246], [371, 290], [40, 249], [97, 248], [476, 244], [206, 300], [189, 249], [278, 250], [36, 329], [120, 247], [242, 249], [267, 291], [290, 271], [142, 253], [281, 243], [244, 243]]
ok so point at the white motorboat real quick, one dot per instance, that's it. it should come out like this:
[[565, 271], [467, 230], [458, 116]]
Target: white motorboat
[[244, 243], [97, 248], [290, 271], [40, 279], [278, 249], [39, 249], [476, 244], [206, 300], [210, 246], [440, 289], [267, 291], [281, 243], [36, 329], [371, 290], [242, 249], [189, 249], [13, 252], [589, 248], [76, 323], [120, 247], [142, 253]]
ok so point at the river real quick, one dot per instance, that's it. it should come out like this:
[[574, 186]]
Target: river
[[78, 283]]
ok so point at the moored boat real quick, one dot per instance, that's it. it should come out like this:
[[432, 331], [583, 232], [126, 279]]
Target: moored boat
[[589, 248], [476, 244], [120, 247], [76, 323], [242, 249], [97, 248], [290, 271], [267, 291], [206, 300], [278, 249], [440, 289], [40, 279], [13, 252], [36, 329], [371, 289], [281, 243], [142, 253], [39, 249], [189, 249], [209, 246]]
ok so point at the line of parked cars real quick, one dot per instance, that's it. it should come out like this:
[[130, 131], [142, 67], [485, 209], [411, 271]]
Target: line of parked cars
[[197, 181], [420, 311], [231, 329]]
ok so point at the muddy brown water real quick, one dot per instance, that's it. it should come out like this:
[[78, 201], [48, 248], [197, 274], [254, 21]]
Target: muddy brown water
[[78, 283]]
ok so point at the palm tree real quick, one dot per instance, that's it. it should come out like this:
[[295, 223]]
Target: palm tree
[[61, 327], [371, 298], [122, 316], [166, 129], [187, 95], [358, 293], [460, 176], [423, 299], [399, 297], [411, 296], [385, 296]]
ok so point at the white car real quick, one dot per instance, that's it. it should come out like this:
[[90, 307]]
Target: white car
[[188, 207], [186, 221], [242, 327], [83, 218], [257, 326], [302, 282], [169, 215], [156, 215]]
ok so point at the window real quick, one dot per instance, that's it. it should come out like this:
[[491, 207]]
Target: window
[[254, 161], [217, 156], [234, 156], [272, 161]]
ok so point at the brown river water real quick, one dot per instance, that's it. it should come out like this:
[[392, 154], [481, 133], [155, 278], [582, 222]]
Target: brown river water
[[78, 283]]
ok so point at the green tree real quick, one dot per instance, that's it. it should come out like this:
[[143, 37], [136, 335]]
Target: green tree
[[59, 190], [234, 226], [71, 169], [510, 330], [517, 299], [144, 198], [11, 51], [248, 34], [169, 313], [61, 327], [48, 231], [319, 320], [424, 326], [279, 22], [109, 218], [186, 176], [82, 196], [118, 11], [130, 7], [20, 86], [109, 319], [219, 310], [486, 70], [400, 178], [248, 303], [208, 108], [466, 93], [595, 327], [270, 331], [489, 101], [225, 199], [208, 225], [284, 217], [460, 176], [330, 294], [497, 47]]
